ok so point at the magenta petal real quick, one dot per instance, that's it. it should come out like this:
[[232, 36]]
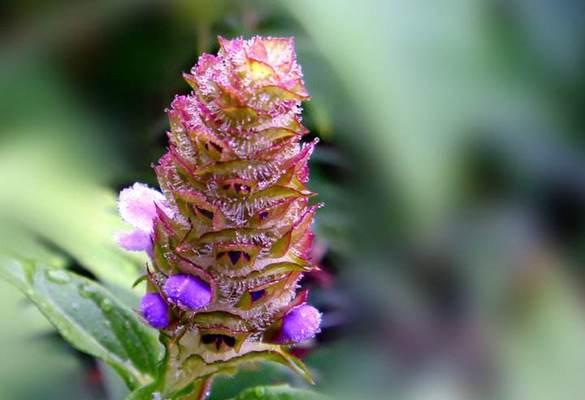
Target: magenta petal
[[300, 324], [137, 240], [137, 205]]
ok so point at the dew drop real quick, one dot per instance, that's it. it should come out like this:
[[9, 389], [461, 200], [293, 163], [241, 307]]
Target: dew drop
[[106, 305], [58, 276], [87, 291]]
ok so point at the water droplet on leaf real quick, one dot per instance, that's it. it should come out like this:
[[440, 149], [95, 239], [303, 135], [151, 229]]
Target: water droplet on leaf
[[106, 305], [58, 276], [87, 290]]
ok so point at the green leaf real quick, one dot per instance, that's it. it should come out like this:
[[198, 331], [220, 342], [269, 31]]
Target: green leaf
[[143, 393], [114, 386], [280, 392], [89, 317], [34, 356]]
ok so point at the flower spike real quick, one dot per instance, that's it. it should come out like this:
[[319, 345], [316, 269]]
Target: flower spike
[[230, 235]]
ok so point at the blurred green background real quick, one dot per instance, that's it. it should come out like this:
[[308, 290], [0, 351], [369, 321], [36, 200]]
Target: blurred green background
[[451, 163]]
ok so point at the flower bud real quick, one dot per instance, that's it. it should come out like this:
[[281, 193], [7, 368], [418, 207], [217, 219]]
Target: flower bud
[[300, 324], [154, 310], [187, 292]]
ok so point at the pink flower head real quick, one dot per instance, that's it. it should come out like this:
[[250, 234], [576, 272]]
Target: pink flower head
[[227, 257], [248, 81]]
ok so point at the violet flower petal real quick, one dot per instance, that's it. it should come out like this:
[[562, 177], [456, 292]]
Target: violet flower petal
[[187, 292], [154, 309]]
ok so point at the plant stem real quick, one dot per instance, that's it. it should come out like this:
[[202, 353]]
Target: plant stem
[[202, 391]]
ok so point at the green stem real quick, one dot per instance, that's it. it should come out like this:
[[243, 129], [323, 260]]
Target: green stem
[[201, 391]]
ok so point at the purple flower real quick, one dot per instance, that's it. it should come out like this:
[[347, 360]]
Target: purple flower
[[187, 292], [137, 207], [154, 309], [300, 324]]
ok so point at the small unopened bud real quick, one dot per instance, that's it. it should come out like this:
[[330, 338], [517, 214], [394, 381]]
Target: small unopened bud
[[154, 310], [300, 324], [187, 292]]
